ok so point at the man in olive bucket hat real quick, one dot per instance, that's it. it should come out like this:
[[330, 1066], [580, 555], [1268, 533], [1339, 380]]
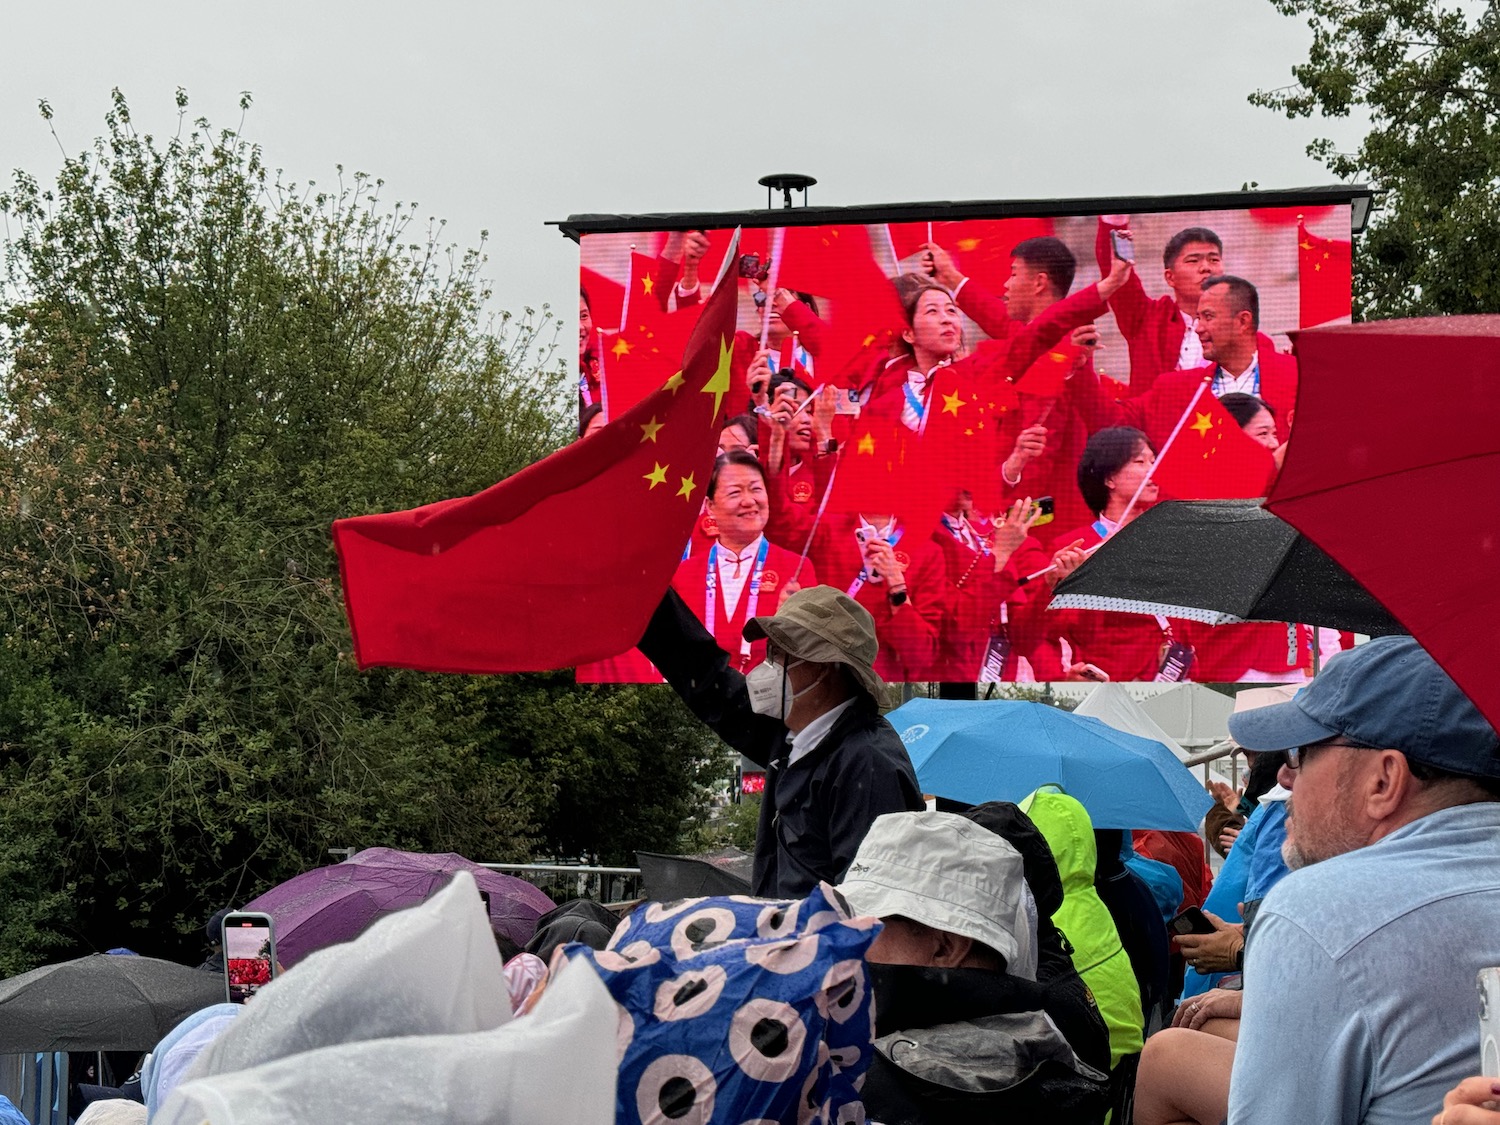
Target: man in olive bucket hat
[[808, 716]]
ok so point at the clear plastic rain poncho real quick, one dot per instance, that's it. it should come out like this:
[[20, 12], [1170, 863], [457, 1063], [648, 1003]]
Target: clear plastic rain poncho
[[410, 1022]]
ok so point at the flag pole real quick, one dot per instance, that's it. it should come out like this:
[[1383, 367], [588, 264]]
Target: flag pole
[[603, 382], [778, 237], [1161, 454], [818, 515], [1125, 515], [629, 285]]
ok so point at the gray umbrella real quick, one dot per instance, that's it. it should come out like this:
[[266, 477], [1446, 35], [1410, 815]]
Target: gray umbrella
[[1221, 562], [101, 1003]]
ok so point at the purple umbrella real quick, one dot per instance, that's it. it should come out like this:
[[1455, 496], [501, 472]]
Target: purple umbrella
[[328, 905]]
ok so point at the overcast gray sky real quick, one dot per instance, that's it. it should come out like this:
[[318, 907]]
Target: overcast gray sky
[[500, 116]]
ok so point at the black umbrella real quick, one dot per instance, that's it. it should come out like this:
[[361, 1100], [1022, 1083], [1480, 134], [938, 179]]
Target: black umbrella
[[1221, 562], [101, 1003], [666, 878]]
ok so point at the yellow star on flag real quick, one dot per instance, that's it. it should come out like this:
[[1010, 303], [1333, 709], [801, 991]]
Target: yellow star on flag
[[647, 284], [951, 403], [1202, 423], [866, 444], [620, 348], [649, 429], [656, 476], [673, 383], [685, 490], [718, 386]]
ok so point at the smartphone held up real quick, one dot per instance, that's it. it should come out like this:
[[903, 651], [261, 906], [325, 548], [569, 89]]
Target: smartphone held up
[[249, 955]]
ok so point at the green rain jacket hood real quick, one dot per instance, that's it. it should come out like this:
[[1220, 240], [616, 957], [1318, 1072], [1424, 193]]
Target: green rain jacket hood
[[1084, 919]]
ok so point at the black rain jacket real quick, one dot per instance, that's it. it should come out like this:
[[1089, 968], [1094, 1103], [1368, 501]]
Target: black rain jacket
[[815, 813]]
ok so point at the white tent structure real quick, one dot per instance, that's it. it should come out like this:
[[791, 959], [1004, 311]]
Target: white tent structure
[[1195, 716], [1112, 705]]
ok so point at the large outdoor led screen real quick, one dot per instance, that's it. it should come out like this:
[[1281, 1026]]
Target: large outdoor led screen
[[942, 418]]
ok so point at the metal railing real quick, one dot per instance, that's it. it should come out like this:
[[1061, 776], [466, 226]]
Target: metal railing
[[562, 881]]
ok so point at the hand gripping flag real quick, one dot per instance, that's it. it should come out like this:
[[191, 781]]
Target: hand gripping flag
[[560, 564]]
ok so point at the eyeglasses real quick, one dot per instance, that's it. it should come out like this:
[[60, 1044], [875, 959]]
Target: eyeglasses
[[1296, 757]]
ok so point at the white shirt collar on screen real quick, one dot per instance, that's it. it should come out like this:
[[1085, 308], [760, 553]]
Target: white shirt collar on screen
[[1190, 355], [1245, 382]]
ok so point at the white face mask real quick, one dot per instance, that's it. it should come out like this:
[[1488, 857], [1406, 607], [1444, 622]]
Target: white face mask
[[771, 691]]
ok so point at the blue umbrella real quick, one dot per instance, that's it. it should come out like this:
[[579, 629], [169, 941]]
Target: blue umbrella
[[1001, 750]]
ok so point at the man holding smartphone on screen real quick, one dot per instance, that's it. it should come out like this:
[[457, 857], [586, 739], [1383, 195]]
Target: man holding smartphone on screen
[[1359, 1000]]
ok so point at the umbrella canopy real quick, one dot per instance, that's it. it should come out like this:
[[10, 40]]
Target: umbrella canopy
[[101, 1003], [666, 878], [1001, 750], [1221, 562], [1394, 470], [329, 905]]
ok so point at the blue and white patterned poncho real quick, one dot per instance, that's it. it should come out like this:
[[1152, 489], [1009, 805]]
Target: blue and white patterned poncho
[[741, 1010]]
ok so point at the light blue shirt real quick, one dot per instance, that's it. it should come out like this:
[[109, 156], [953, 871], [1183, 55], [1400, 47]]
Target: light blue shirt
[[1253, 867], [1360, 1003]]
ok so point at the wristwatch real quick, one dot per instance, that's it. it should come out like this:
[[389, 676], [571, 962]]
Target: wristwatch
[[896, 597]]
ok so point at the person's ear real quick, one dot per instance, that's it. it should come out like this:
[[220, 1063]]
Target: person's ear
[[952, 949], [1387, 782], [909, 335]]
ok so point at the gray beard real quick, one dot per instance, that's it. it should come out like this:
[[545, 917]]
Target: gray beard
[[1291, 855]]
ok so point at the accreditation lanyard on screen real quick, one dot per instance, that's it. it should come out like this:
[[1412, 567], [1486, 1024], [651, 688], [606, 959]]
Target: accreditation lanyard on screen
[[854, 588], [963, 531], [914, 401], [583, 390], [711, 591]]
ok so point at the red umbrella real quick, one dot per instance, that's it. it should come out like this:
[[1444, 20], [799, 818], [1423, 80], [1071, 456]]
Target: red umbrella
[[1394, 470]]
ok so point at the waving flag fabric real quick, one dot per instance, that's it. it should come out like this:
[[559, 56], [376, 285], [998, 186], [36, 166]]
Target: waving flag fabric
[[560, 564]]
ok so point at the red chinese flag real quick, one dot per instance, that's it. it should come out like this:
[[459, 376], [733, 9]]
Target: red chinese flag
[[886, 468], [562, 563], [1287, 216], [981, 247], [826, 261], [646, 286], [963, 427], [908, 238], [638, 359], [835, 264], [1048, 375], [606, 297], [752, 240], [1325, 278], [1212, 459]]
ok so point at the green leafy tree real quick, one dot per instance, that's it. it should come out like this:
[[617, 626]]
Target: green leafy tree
[[201, 367], [1428, 77]]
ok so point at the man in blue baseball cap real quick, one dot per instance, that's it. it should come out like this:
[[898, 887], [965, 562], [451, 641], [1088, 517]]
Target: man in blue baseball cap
[[1360, 1000]]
